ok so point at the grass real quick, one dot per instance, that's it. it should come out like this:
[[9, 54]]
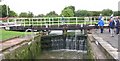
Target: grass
[[4, 35]]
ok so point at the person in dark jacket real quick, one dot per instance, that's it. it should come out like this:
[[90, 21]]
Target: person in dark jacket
[[117, 25], [112, 26], [110, 21], [101, 24]]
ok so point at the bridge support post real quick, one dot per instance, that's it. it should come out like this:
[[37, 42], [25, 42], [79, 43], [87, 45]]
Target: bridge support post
[[64, 31]]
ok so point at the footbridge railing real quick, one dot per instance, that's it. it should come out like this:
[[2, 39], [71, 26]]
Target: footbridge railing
[[48, 21]]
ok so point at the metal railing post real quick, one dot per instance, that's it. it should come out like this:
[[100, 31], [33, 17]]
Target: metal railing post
[[91, 20], [49, 22], [94, 19], [32, 21], [44, 21], [76, 21], [37, 21], [24, 22], [15, 21], [29, 22], [58, 22], [52, 21], [106, 20], [41, 21], [85, 20]]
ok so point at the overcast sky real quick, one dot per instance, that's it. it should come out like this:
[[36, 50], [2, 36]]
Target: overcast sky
[[45, 6]]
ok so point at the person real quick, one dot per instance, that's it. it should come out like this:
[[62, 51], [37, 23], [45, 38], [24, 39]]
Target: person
[[63, 20], [100, 17], [110, 21], [117, 25], [111, 16], [112, 26], [109, 25], [101, 24], [96, 25]]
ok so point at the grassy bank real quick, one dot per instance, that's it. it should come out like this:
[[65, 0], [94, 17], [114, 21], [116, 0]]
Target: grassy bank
[[4, 35]]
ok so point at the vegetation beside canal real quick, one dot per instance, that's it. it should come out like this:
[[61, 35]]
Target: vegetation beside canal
[[26, 50], [4, 35]]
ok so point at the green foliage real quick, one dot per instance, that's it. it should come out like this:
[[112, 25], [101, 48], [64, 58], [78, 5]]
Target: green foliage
[[116, 13], [80, 13], [52, 14], [107, 12], [0, 11], [95, 13], [40, 15], [68, 12], [71, 7], [7, 34], [12, 14], [23, 14], [3, 11], [26, 51], [30, 14]]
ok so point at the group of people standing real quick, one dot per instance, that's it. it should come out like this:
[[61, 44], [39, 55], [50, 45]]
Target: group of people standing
[[114, 22]]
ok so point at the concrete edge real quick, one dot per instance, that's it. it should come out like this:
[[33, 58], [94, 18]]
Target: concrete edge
[[111, 53], [90, 41]]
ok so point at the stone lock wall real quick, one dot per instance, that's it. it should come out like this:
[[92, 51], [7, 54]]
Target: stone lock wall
[[27, 50]]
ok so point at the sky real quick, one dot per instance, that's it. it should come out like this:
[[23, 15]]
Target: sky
[[45, 6]]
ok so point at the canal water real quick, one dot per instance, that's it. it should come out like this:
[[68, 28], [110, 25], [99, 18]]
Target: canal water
[[70, 46]]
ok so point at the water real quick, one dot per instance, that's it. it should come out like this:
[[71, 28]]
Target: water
[[64, 47], [62, 54]]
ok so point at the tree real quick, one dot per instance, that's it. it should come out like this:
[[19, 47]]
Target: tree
[[0, 10], [30, 14], [23, 14], [52, 14], [67, 12], [107, 12], [95, 13], [118, 13], [3, 10], [40, 15], [82, 13], [70, 9], [12, 14], [77, 13]]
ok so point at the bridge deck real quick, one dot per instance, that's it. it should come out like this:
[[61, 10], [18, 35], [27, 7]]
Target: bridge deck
[[54, 27]]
